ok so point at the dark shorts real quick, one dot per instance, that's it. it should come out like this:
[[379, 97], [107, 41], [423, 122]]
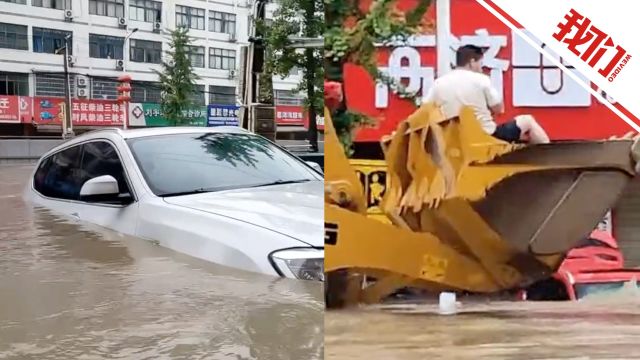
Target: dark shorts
[[508, 131]]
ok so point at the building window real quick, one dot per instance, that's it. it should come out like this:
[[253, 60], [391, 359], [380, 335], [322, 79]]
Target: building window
[[50, 40], [105, 89], [14, 84], [53, 4], [145, 10], [105, 47], [222, 95], [221, 22], [146, 51], [192, 18], [286, 97], [52, 84], [146, 92], [196, 54], [13, 37], [23, 2], [112, 8], [222, 59]]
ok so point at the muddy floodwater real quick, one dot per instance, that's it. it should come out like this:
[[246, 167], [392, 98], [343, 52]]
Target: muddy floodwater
[[73, 291], [606, 326]]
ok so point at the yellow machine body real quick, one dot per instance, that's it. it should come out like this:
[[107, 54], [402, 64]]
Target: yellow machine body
[[453, 208]]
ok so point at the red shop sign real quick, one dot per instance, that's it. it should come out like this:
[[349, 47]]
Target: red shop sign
[[15, 109], [89, 112]]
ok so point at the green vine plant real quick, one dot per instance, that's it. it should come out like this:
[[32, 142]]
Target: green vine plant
[[352, 36]]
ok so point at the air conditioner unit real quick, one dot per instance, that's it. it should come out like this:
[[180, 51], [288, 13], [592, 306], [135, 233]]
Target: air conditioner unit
[[68, 15], [71, 60], [157, 26], [82, 92], [233, 37], [122, 22], [120, 64], [82, 81], [232, 74]]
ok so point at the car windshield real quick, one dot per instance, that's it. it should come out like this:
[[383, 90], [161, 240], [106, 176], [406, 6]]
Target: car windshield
[[180, 164]]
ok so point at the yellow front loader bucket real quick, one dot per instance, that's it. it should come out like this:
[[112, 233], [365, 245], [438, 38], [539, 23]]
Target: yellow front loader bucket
[[466, 211]]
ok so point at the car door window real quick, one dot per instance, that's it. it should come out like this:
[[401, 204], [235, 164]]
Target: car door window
[[59, 175], [101, 158]]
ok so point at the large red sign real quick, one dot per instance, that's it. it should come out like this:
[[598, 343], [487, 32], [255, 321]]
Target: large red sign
[[87, 112], [15, 109], [529, 83]]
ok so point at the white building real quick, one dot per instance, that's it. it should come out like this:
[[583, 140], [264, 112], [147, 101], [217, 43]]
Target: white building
[[102, 31]]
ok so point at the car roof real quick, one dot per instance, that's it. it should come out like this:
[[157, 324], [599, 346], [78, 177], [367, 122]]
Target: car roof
[[146, 132], [169, 130]]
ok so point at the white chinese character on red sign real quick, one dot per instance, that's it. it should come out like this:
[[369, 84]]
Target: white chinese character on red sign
[[539, 82], [84, 107], [76, 106], [405, 64], [92, 107], [99, 107], [493, 44], [107, 107], [92, 117], [116, 108], [4, 103], [100, 117], [75, 117], [107, 117]]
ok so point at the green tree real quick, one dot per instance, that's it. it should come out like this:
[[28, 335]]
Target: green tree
[[177, 78], [351, 37], [298, 18]]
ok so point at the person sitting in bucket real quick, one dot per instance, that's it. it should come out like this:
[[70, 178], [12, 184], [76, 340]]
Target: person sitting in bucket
[[467, 85]]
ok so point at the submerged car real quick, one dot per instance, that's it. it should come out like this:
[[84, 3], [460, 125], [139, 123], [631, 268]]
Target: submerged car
[[223, 194], [595, 265]]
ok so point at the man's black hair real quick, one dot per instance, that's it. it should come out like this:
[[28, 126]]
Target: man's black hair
[[466, 53]]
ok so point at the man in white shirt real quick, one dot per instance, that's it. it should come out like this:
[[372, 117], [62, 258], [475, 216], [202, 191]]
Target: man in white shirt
[[467, 85]]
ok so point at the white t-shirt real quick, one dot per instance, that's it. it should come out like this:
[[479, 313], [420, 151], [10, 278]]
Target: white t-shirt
[[461, 87]]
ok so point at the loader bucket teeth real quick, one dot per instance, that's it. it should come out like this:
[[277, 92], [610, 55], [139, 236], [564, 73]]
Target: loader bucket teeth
[[466, 211]]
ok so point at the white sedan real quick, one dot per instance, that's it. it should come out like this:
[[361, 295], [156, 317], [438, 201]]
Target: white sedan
[[220, 194]]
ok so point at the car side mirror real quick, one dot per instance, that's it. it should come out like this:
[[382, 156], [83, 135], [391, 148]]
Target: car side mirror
[[315, 166], [103, 189]]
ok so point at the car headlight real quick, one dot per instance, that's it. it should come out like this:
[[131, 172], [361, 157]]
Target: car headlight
[[303, 264]]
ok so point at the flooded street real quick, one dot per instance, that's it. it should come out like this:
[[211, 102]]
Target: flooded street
[[72, 291], [603, 327]]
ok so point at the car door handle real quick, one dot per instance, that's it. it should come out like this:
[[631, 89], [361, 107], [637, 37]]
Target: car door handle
[[75, 216]]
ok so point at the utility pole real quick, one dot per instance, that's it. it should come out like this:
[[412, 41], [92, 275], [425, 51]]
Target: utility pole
[[443, 36], [253, 66], [125, 47], [125, 105], [67, 127]]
